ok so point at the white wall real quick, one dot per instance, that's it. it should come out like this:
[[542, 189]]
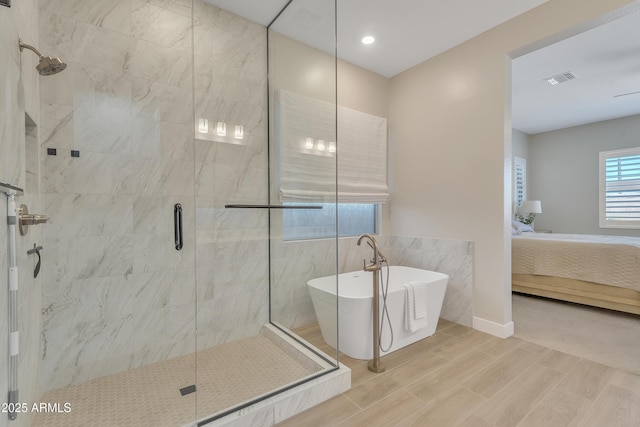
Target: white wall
[[563, 173], [520, 144], [451, 148]]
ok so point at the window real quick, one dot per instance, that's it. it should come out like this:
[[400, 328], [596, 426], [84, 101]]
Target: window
[[317, 141], [620, 188], [354, 219]]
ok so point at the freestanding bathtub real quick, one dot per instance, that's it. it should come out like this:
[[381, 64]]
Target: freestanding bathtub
[[355, 305]]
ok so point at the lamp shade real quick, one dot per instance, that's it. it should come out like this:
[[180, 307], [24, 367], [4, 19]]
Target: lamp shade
[[531, 206]]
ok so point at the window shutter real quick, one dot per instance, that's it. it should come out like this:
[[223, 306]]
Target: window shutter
[[623, 188], [620, 188], [520, 177]]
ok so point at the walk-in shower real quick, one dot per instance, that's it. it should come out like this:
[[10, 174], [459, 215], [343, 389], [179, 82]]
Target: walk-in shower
[[170, 294]]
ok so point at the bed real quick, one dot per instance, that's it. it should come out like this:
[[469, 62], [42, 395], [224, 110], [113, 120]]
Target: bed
[[597, 270]]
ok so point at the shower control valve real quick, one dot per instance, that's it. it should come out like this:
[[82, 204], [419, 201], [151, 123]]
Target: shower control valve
[[25, 219]]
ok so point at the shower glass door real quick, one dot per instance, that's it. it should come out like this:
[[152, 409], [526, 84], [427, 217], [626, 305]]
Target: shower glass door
[[232, 249]]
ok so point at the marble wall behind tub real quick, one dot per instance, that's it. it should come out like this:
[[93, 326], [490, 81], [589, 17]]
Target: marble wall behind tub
[[452, 257], [118, 294], [296, 262]]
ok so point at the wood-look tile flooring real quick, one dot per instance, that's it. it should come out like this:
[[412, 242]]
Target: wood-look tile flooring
[[466, 378]]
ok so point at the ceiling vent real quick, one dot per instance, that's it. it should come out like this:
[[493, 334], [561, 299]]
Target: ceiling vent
[[561, 78]]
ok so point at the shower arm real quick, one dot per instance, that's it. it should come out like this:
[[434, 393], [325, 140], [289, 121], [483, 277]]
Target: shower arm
[[31, 48]]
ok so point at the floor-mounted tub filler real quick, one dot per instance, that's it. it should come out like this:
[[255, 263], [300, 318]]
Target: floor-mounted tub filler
[[355, 308]]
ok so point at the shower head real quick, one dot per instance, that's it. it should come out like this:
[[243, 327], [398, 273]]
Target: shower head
[[47, 65]]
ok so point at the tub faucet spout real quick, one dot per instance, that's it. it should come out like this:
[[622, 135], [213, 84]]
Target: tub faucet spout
[[378, 256]]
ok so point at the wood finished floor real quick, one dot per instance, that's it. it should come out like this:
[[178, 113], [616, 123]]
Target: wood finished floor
[[463, 377]]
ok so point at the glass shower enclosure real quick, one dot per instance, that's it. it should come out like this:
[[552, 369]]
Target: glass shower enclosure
[[173, 284], [252, 293]]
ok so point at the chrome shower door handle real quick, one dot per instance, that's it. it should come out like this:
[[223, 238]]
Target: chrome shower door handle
[[177, 226]]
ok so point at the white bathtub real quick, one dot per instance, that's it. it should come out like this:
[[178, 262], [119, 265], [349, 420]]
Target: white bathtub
[[355, 307]]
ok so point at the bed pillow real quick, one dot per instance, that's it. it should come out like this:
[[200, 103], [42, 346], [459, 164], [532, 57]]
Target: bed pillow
[[518, 228]]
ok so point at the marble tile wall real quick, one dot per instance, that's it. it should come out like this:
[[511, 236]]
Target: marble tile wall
[[293, 264], [19, 105], [118, 295], [452, 257]]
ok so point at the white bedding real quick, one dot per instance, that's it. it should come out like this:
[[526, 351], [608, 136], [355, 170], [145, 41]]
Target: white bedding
[[609, 260]]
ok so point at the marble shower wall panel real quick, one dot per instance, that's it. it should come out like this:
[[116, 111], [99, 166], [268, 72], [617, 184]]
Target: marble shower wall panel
[[232, 244], [120, 296], [293, 264], [114, 15]]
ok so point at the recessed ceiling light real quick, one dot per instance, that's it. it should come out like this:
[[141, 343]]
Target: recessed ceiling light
[[368, 39]]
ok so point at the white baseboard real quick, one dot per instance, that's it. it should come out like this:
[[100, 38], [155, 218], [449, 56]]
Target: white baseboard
[[496, 329]]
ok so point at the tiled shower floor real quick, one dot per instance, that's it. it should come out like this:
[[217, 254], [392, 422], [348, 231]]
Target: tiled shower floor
[[150, 396]]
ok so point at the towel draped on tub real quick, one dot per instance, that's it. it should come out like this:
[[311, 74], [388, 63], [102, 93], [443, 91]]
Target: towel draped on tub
[[415, 306]]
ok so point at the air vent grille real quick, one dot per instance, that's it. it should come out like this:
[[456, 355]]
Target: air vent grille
[[561, 78]]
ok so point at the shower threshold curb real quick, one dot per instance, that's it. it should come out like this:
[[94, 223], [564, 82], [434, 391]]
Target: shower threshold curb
[[284, 405]]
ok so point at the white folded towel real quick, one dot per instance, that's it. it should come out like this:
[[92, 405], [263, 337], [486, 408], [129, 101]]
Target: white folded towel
[[415, 306]]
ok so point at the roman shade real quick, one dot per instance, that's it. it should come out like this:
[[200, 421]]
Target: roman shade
[[307, 145]]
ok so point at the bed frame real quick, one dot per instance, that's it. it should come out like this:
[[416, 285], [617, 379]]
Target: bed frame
[[588, 293]]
